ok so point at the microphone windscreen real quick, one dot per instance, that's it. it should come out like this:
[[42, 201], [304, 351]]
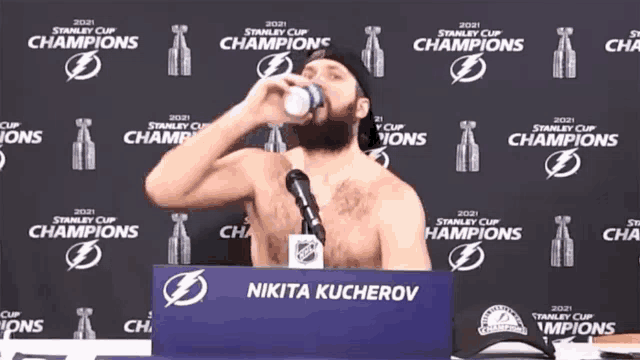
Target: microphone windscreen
[[294, 175]]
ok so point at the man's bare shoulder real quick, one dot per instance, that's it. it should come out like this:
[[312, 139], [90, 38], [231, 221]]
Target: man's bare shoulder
[[393, 193], [386, 183]]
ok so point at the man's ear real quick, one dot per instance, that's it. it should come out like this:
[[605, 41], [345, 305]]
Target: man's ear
[[362, 107]]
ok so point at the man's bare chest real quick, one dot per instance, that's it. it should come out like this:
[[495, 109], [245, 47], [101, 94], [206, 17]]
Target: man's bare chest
[[348, 217]]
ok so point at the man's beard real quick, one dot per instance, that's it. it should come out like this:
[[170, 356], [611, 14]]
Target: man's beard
[[333, 135]]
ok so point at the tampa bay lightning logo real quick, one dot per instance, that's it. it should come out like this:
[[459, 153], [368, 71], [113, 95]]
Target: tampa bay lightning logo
[[189, 279], [464, 73], [562, 158], [80, 70], [275, 64]]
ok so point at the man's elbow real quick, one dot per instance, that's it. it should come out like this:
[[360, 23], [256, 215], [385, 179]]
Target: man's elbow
[[156, 197], [152, 191], [162, 199]]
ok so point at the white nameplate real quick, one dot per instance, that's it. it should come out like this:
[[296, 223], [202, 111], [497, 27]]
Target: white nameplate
[[305, 252]]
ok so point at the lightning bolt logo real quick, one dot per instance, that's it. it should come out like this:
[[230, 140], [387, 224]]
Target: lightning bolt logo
[[377, 153], [561, 162], [3, 159], [81, 255], [274, 64], [81, 65], [467, 65], [504, 317], [467, 251], [183, 287]]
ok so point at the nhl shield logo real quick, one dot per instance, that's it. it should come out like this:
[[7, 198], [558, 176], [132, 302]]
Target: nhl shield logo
[[306, 251]]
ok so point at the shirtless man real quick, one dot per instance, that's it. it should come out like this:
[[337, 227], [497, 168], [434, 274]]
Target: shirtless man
[[372, 219]]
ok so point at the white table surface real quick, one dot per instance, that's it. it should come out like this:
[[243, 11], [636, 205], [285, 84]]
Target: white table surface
[[88, 349]]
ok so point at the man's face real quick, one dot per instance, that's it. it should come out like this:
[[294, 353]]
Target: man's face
[[332, 124]]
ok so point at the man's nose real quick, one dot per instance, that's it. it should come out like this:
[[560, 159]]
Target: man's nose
[[319, 78]]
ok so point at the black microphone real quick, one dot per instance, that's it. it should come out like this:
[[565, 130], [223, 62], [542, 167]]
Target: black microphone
[[299, 186]]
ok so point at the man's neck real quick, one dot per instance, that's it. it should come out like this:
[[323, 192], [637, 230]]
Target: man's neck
[[325, 163]]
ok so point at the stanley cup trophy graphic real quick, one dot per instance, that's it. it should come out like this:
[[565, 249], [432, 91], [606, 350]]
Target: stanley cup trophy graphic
[[179, 242], [562, 245], [275, 143], [179, 54], [468, 154], [84, 325], [564, 59], [84, 150], [372, 55]]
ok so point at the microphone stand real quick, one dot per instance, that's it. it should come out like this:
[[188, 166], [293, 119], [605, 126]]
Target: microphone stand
[[306, 229]]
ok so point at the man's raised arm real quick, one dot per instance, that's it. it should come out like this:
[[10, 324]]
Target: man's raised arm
[[193, 174]]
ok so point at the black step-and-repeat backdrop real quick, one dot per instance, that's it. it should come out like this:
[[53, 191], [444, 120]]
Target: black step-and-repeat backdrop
[[516, 123]]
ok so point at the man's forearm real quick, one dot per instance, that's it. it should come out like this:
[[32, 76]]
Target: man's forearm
[[186, 165]]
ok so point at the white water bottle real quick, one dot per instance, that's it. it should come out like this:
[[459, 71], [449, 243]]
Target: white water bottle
[[303, 99]]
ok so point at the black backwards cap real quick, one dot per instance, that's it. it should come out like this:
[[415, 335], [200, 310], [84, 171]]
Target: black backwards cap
[[368, 134], [479, 327]]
